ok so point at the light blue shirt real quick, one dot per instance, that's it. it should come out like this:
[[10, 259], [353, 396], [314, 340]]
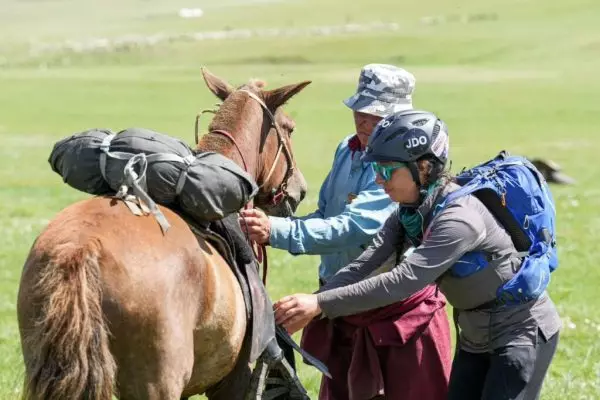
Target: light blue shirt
[[352, 208]]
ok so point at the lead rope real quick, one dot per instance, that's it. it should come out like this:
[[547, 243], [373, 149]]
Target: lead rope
[[260, 251]]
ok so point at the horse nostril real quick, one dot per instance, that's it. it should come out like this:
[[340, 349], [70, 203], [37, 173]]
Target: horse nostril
[[302, 194]]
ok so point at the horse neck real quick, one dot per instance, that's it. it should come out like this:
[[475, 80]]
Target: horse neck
[[246, 130]]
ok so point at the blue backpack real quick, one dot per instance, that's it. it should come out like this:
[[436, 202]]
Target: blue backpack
[[516, 193]]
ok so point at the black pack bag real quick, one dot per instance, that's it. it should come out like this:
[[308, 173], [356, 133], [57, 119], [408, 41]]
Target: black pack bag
[[207, 186]]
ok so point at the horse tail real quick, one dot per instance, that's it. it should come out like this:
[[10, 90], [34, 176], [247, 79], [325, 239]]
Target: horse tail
[[68, 349]]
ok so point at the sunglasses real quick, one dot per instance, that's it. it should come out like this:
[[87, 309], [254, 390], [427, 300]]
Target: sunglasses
[[386, 171]]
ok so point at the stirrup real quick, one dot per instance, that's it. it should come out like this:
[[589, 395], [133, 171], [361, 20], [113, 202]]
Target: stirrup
[[272, 359]]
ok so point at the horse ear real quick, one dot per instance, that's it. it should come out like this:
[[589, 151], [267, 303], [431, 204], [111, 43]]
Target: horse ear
[[276, 97], [218, 86]]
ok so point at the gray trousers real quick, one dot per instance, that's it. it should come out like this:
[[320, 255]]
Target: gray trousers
[[509, 373]]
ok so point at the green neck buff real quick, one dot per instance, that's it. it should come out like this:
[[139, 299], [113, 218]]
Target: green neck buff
[[412, 220]]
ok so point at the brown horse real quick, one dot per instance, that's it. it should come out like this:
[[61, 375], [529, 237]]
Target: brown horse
[[108, 304]]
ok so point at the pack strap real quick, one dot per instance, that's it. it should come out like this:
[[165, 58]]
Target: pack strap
[[310, 359], [104, 148], [500, 257], [188, 161], [137, 183]]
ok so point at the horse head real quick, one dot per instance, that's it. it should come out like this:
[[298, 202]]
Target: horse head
[[251, 128]]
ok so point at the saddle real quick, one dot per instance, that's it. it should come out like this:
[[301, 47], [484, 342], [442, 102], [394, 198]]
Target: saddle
[[226, 236]]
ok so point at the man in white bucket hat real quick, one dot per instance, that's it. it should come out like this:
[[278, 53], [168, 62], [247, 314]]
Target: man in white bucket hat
[[351, 210], [382, 90]]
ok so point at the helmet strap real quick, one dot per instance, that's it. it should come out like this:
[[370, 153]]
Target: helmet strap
[[414, 171]]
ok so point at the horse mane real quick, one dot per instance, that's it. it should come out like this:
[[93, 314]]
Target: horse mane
[[228, 118]]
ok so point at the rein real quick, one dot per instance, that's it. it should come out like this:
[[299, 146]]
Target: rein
[[260, 251]]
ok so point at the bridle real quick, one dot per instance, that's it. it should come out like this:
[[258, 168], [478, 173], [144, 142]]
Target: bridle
[[280, 193], [277, 195]]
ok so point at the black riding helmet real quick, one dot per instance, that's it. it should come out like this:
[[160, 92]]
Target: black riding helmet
[[409, 136]]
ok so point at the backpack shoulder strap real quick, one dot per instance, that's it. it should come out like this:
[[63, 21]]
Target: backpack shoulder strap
[[452, 197]]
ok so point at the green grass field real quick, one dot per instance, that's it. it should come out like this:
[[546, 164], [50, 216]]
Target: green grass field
[[516, 75]]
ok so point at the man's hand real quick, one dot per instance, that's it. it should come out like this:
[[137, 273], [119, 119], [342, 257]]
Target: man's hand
[[256, 224]]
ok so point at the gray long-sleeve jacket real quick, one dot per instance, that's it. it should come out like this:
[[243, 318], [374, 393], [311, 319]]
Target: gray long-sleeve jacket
[[466, 225]]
